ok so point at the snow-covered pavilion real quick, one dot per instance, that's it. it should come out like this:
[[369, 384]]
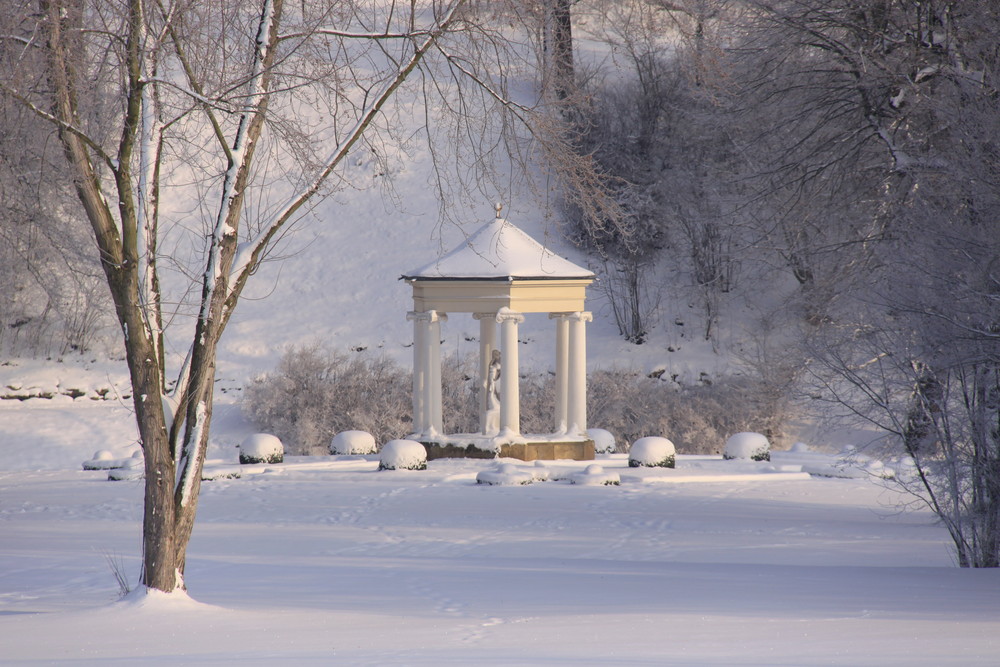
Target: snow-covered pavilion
[[499, 274]]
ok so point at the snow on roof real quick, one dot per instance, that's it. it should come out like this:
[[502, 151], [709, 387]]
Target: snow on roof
[[498, 251]]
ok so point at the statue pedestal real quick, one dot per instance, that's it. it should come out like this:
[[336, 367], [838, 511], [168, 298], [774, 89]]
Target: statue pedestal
[[525, 448]]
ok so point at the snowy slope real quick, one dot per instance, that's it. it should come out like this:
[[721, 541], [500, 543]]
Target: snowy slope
[[339, 284]]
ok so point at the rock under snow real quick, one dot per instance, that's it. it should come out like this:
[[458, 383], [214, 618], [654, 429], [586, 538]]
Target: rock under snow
[[353, 443], [261, 448], [403, 455], [604, 441], [751, 446], [652, 452]]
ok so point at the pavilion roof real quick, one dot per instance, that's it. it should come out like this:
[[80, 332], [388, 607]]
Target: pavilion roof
[[499, 251]]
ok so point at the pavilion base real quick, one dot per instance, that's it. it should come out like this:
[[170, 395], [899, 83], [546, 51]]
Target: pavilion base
[[454, 447]]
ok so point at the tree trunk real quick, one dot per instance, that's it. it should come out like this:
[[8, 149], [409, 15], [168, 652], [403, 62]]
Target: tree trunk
[[559, 47]]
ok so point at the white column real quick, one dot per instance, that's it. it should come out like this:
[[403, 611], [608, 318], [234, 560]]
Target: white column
[[577, 389], [487, 343], [434, 372], [562, 363], [421, 420], [510, 401]]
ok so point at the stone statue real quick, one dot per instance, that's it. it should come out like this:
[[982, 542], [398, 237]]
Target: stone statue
[[493, 394]]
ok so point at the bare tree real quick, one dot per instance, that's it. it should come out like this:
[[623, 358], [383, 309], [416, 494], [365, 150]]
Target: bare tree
[[651, 126], [53, 298], [157, 101], [902, 95]]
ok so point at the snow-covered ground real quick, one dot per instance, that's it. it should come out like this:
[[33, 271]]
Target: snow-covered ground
[[327, 561]]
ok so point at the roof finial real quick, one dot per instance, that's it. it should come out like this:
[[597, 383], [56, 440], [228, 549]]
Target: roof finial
[[498, 207]]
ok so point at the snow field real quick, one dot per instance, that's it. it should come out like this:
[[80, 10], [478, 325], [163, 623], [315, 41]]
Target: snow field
[[325, 559], [321, 560]]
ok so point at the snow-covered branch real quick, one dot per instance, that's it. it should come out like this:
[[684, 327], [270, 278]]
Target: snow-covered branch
[[251, 253], [89, 141], [346, 34]]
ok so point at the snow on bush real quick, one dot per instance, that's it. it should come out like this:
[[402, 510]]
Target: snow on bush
[[851, 465], [697, 416], [540, 472], [262, 448], [353, 442], [131, 469], [403, 455], [314, 393], [595, 475], [210, 473], [105, 460], [505, 474], [604, 441], [652, 452], [747, 445]]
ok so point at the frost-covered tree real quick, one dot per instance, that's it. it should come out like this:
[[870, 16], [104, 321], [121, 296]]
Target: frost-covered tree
[[53, 298], [651, 125], [839, 104], [889, 112], [196, 134]]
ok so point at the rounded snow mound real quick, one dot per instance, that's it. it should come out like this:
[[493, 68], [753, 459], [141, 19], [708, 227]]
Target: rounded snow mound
[[652, 452], [403, 455], [595, 475], [105, 460], [262, 448], [747, 445], [130, 470], [505, 474], [353, 442], [604, 441]]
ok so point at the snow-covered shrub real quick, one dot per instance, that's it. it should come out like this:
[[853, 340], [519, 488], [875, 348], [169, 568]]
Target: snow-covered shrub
[[505, 474], [353, 442], [261, 448], [540, 472], [697, 416], [211, 473], [604, 441], [315, 393], [595, 475], [747, 445], [403, 455], [131, 469], [105, 460], [102, 460], [652, 452]]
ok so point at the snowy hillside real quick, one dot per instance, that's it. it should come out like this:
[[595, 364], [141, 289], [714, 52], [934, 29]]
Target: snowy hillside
[[341, 286]]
